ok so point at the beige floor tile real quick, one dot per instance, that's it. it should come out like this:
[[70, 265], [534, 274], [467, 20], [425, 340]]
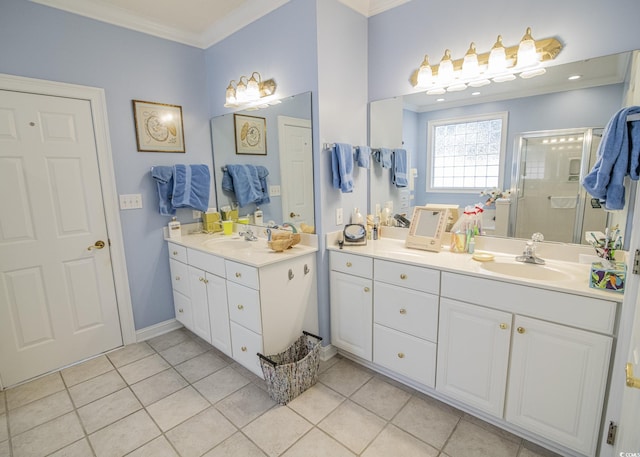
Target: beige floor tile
[[96, 388], [319, 444], [186, 350], [49, 437], [4, 449], [238, 445], [492, 428], [34, 390], [326, 364], [427, 420], [201, 366], [202, 432], [177, 407], [78, 449], [220, 384], [4, 432], [276, 430], [108, 410], [246, 404], [352, 425], [162, 342], [158, 386], [86, 370], [38, 412], [130, 353], [345, 377], [316, 402], [143, 368], [381, 398], [124, 436], [393, 441], [159, 447], [470, 439]]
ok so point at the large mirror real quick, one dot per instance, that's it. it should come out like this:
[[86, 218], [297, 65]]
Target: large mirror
[[536, 109], [287, 157]]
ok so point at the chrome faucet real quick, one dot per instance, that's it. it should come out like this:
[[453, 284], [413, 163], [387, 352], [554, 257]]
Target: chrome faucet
[[529, 253], [248, 235]]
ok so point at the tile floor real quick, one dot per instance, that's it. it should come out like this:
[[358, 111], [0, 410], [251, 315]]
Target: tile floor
[[175, 395]]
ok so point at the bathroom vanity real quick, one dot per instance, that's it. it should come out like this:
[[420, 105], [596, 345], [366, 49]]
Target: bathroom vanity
[[526, 347], [242, 297]]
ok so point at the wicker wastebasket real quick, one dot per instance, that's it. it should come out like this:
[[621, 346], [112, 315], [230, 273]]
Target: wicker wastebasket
[[291, 372]]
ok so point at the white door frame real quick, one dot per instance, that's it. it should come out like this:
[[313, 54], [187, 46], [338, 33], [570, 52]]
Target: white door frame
[[97, 100]]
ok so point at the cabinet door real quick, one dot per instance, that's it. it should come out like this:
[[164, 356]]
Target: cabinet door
[[473, 355], [352, 314], [557, 382], [199, 304], [219, 313], [182, 306]]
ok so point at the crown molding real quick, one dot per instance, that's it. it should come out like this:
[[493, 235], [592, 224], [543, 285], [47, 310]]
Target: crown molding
[[370, 8]]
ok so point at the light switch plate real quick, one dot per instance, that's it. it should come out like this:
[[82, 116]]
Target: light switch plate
[[274, 191], [130, 201], [339, 216]]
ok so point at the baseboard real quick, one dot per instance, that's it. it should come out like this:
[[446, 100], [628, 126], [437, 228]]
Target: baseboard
[[326, 352], [157, 330]]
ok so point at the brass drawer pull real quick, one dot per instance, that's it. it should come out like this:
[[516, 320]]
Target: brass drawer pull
[[504, 326], [181, 310], [403, 276], [177, 278], [243, 349], [240, 307], [201, 279], [403, 311], [238, 274], [401, 355], [348, 264], [521, 330], [366, 289], [175, 252]]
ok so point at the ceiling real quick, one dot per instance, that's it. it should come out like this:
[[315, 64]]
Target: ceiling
[[199, 23]]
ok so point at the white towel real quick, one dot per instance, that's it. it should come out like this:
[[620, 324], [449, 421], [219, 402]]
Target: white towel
[[564, 202]]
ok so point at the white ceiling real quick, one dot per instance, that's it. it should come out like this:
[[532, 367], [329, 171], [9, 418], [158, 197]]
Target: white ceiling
[[199, 23]]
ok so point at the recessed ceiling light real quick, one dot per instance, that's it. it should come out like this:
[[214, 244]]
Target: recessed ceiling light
[[475, 93], [574, 77], [440, 99]]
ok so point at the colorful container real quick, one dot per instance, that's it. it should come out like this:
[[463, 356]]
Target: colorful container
[[608, 276]]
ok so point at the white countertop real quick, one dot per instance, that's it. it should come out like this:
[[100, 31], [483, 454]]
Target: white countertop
[[571, 277], [254, 253]]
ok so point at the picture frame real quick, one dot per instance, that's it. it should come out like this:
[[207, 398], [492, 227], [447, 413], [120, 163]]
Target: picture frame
[[159, 127], [251, 134]]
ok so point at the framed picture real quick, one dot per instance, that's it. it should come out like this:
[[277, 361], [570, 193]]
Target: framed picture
[[251, 134], [158, 127]]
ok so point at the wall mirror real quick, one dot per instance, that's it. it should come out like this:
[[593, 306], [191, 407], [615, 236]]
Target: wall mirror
[[288, 158], [551, 102]]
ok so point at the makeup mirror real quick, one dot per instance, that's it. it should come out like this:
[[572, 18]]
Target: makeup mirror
[[427, 227]]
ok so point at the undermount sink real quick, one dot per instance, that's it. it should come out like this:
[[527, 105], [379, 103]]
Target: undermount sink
[[229, 243], [525, 270]]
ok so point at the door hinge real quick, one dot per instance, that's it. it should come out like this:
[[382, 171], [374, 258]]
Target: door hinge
[[611, 435], [109, 241], [636, 263]]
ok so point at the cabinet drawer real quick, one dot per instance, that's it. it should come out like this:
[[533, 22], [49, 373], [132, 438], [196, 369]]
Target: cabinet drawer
[[242, 274], [411, 276], [351, 264], [179, 276], [405, 354], [177, 252], [245, 347], [207, 262], [406, 310], [244, 306]]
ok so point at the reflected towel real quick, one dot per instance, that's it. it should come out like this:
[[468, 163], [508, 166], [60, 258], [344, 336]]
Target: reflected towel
[[363, 154], [384, 157], [191, 186], [342, 167], [563, 202], [164, 181], [616, 154], [248, 182], [399, 175]]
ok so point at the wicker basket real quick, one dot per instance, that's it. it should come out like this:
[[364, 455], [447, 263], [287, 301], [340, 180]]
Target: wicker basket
[[294, 370]]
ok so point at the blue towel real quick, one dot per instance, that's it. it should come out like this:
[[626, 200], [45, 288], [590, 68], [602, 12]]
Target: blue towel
[[399, 175], [363, 154], [384, 157], [342, 167], [191, 186], [248, 182], [164, 181], [616, 154]]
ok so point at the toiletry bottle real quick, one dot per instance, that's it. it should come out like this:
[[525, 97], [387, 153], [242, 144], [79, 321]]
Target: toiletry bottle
[[375, 228], [174, 229], [257, 217], [356, 217]]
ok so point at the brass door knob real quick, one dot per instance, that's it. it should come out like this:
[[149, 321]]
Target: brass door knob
[[292, 215], [97, 245], [631, 381], [520, 329]]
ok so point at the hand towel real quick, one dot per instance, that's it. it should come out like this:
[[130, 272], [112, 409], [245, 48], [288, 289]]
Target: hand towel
[[563, 202], [399, 175], [262, 176], [191, 186], [164, 182], [248, 182], [616, 154], [363, 154], [384, 157], [342, 167]]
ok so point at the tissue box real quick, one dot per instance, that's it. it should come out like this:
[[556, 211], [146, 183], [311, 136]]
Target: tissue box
[[211, 222], [607, 278]]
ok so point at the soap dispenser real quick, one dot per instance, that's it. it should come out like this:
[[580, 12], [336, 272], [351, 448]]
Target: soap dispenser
[[175, 231], [258, 217]]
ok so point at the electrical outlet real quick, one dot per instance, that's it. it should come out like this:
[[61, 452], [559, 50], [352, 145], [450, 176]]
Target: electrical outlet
[[339, 216], [196, 214], [130, 201], [274, 191]]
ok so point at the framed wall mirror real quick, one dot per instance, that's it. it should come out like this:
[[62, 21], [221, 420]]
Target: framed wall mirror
[[551, 102], [288, 160]]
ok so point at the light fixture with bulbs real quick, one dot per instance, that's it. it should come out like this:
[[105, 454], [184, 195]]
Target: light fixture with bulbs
[[249, 92], [500, 64]]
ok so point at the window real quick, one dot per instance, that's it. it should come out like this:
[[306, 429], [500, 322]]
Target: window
[[466, 154]]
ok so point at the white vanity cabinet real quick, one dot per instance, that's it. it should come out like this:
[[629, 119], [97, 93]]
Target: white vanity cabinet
[[351, 299], [180, 284]]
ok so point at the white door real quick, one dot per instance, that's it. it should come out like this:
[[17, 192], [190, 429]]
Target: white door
[[57, 295], [296, 169]]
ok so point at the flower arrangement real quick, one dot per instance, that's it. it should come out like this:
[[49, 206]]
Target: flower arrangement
[[495, 194]]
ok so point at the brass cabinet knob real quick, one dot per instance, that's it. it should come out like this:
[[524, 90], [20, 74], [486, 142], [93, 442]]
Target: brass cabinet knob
[[206, 281], [520, 329], [401, 355], [366, 289], [244, 349], [177, 278], [175, 253], [403, 311], [240, 307], [504, 326], [348, 264], [201, 279], [403, 276], [238, 274], [181, 310]]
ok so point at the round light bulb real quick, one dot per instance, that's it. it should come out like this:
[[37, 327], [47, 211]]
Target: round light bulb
[[527, 54], [425, 74], [445, 68]]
